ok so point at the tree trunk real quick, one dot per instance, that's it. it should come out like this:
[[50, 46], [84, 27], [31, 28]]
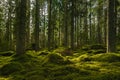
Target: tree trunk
[[65, 24], [111, 28], [37, 29], [99, 26], [8, 35], [49, 25], [72, 26], [21, 26], [28, 25]]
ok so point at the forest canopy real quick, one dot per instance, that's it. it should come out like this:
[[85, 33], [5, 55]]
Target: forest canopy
[[40, 24]]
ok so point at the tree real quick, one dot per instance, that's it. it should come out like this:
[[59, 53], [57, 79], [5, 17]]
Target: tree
[[37, 23], [65, 24], [72, 24], [21, 10], [9, 25], [54, 23], [28, 24], [111, 28], [49, 24]]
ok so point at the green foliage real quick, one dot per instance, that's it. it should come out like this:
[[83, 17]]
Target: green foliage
[[54, 66], [118, 49], [108, 57], [68, 73], [55, 58], [97, 46], [43, 53], [84, 57], [64, 51], [32, 75], [4, 46], [22, 58], [18, 77], [11, 68], [104, 57], [6, 53], [95, 49]]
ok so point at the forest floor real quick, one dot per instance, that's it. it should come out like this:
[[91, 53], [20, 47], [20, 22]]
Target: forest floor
[[55, 65]]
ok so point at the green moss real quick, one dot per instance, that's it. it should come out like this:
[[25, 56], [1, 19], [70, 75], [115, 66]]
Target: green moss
[[55, 58], [43, 53], [54, 66], [22, 58], [107, 76], [84, 57], [108, 57], [97, 46], [36, 75], [95, 49], [58, 50], [18, 77], [7, 53], [11, 68]]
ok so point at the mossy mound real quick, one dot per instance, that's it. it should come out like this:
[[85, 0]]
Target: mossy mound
[[55, 58], [105, 76], [84, 57], [67, 52], [67, 73], [23, 58], [11, 68], [36, 75], [108, 57], [64, 51], [43, 53], [96, 48]]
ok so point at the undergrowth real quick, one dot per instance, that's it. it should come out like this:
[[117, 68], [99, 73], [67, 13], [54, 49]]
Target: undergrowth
[[53, 65]]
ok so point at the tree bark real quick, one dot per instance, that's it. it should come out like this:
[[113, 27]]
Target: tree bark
[[72, 25], [37, 29], [49, 25], [111, 28], [21, 26]]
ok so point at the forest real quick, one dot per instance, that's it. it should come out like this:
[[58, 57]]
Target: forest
[[59, 39]]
